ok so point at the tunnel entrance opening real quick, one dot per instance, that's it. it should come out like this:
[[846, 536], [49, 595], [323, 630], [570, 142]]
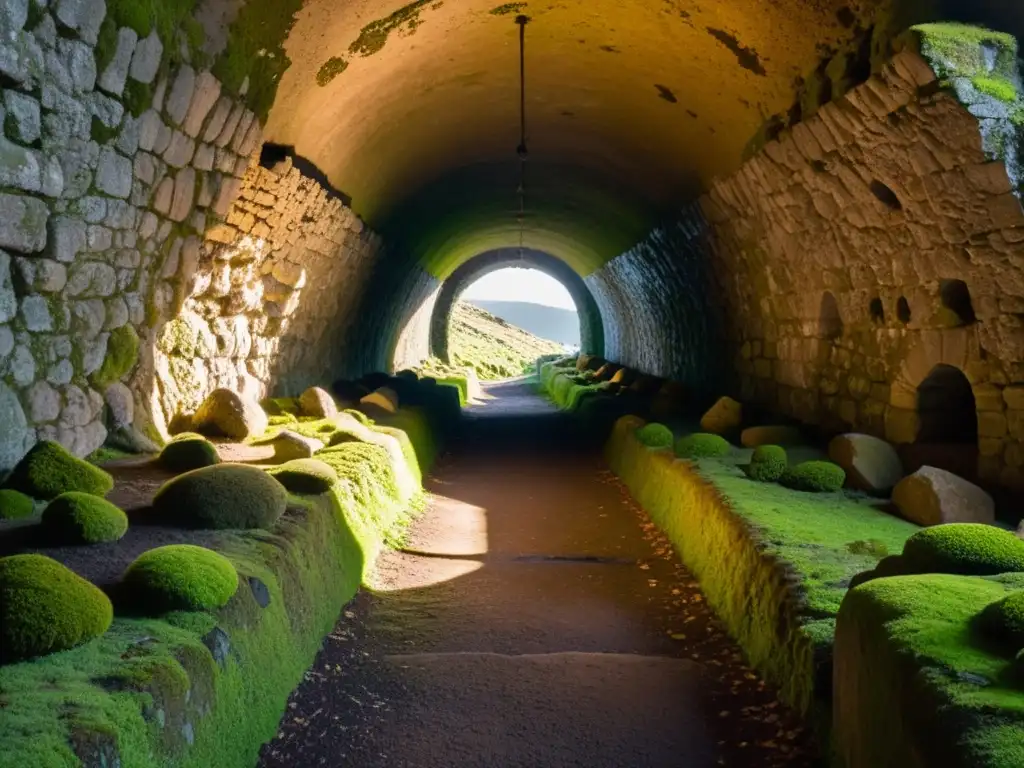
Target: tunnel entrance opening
[[947, 434]]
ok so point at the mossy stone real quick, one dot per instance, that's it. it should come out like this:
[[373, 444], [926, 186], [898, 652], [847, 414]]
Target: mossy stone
[[969, 549], [122, 355], [305, 476], [222, 497], [815, 477], [655, 436], [180, 577], [15, 505], [1003, 621], [48, 470], [702, 445], [45, 607], [189, 451], [80, 518], [768, 464]]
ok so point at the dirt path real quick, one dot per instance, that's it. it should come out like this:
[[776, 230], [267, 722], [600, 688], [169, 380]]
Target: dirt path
[[535, 618]]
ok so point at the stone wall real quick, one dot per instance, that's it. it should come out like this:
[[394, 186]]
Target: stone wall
[[658, 316], [267, 300], [837, 254], [118, 168]]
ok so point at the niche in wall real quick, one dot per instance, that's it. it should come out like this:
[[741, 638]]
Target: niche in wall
[[830, 322], [956, 303], [877, 311], [885, 196], [903, 310], [946, 408]]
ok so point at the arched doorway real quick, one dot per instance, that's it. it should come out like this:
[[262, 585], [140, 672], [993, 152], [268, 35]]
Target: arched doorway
[[947, 435]]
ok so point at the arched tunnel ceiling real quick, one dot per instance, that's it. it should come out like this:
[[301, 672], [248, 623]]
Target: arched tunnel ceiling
[[633, 105]]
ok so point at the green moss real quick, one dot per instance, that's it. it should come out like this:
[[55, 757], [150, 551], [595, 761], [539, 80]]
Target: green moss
[[747, 543], [223, 496], [655, 436], [180, 577], [173, 21], [702, 445], [137, 97], [48, 470], [1003, 621], [100, 133], [333, 67], [815, 477], [255, 50], [1004, 90], [872, 547], [106, 453], [80, 518], [359, 416], [45, 607], [282, 406], [305, 476], [189, 451], [964, 548], [911, 643], [507, 8], [374, 35], [15, 505], [122, 355], [768, 464], [957, 50]]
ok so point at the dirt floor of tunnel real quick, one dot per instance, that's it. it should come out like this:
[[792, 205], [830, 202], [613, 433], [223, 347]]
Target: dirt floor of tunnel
[[534, 617]]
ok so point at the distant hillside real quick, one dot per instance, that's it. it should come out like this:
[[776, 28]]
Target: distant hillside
[[561, 325], [493, 347]]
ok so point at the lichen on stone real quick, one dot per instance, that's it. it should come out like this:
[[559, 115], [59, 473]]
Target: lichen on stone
[[333, 67]]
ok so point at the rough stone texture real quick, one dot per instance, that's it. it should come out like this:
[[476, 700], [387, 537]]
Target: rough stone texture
[[724, 416], [146, 59], [290, 445], [230, 414], [113, 78], [933, 496], [23, 223], [83, 16], [871, 464], [23, 112], [318, 402], [17, 436]]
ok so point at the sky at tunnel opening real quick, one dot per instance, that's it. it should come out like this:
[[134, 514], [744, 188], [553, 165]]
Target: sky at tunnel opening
[[526, 285]]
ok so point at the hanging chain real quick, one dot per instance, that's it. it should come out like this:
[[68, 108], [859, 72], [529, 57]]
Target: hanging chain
[[521, 151]]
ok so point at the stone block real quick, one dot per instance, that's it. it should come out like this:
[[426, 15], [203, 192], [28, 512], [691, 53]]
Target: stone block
[[20, 168], [23, 116], [83, 16], [113, 78], [35, 314], [179, 151], [179, 98], [8, 301], [184, 194], [205, 95], [163, 197], [44, 403], [290, 445], [218, 119], [933, 496], [146, 59], [872, 465], [114, 174], [16, 437], [23, 223]]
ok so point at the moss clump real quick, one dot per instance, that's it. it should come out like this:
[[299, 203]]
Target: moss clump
[[48, 470], [137, 98], [374, 35], [45, 608], [255, 51], [100, 133], [655, 436], [969, 549], [815, 477], [996, 87], [80, 518], [1003, 620], [188, 451], [15, 505], [768, 464], [333, 67], [958, 50], [702, 445], [122, 355], [359, 416], [180, 577], [305, 476], [223, 496]]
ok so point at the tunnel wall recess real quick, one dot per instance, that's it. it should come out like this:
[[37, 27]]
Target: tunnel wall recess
[[591, 326]]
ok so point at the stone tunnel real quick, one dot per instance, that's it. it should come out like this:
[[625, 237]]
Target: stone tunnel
[[810, 205]]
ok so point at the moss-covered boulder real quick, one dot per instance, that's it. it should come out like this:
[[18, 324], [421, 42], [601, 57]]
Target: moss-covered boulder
[[1003, 621], [702, 445], [48, 470], [779, 434], [768, 464], [968, 549], [723, 417], [305, 476], [220, 497], [655, 436], [45, 608], [15, 505], [179, 577], [933, 496], [228, 414], [871, 464], [81, 518], [317, 402], [815, 477], [290, 445], [188, 451]]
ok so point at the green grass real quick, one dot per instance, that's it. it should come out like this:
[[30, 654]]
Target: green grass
[[311, 563], [490, 346], [911, 643]]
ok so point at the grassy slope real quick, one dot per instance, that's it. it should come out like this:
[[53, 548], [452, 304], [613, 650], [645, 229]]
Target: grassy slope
[[495, 349], [148, 685]]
